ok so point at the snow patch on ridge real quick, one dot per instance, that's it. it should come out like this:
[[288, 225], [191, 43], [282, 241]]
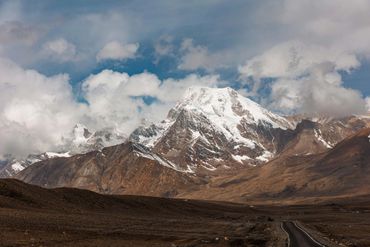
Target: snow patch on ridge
[[17, 167], [240, 158], [145, 153], [156, 133], [55, 155], [319, 137], [266, 156]]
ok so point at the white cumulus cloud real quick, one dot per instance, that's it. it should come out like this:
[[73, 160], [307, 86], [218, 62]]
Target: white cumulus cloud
[[316, 42], [306, 79], [35, 110]]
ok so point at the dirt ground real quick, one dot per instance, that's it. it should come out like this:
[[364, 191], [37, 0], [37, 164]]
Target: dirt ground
[[33, 216]]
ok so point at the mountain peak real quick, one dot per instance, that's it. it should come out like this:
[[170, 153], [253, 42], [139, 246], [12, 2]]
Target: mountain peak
[[228, 103], [201, 90], [80, 134], [212, 127], [204, 94]]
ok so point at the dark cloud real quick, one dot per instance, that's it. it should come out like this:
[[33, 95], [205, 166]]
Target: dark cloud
[[13, 32]]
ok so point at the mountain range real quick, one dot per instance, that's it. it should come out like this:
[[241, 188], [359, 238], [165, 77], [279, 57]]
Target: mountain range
[[79, 140], [216, 144]]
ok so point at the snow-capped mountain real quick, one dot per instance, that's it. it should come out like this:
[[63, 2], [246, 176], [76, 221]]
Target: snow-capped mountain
[[212, 128], [80, 140], [210, 132], [317, 135]]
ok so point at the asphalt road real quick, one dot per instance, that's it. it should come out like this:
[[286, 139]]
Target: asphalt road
[[298, 237]]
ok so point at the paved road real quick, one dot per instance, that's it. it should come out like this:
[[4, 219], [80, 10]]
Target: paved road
[[298, 237]]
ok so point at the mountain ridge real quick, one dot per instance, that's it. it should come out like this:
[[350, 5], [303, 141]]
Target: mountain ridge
[[188, 155], [80, 140]]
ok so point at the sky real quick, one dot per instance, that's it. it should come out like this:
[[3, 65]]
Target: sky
[[118, 64]]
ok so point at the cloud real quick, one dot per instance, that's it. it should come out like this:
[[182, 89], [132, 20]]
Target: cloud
[[305, 79], [318, 93], [172, 89], [368, 103], [60, 50], [115, 99], [314, 44], [340, 24], [117, 51], [295, 58], [35, 110], [164, 47], [301, 48], [198, 57], [16, 32]]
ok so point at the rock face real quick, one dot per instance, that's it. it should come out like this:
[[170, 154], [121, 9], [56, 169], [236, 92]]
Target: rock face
[[128, 168], [216, 129], [312, 136], [80, 140], [12, 166], [340, 172]]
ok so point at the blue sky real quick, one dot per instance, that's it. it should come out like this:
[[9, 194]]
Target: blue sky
[[114, 63]]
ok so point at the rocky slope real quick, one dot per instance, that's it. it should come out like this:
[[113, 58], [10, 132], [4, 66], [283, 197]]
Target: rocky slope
[[339, 172], [216, 129], [317, 135], [128, 168]]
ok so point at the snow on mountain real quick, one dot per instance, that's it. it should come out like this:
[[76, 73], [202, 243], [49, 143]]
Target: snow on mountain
[[80, 135], [50, 155], [12, 166], [79, 140], [328, 131], [145, 152], [212, 128], [319, 137], [227, 107], [149, 135]]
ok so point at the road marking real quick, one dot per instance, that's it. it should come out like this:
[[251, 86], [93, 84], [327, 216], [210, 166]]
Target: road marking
[[308, 235], [282, 228]]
